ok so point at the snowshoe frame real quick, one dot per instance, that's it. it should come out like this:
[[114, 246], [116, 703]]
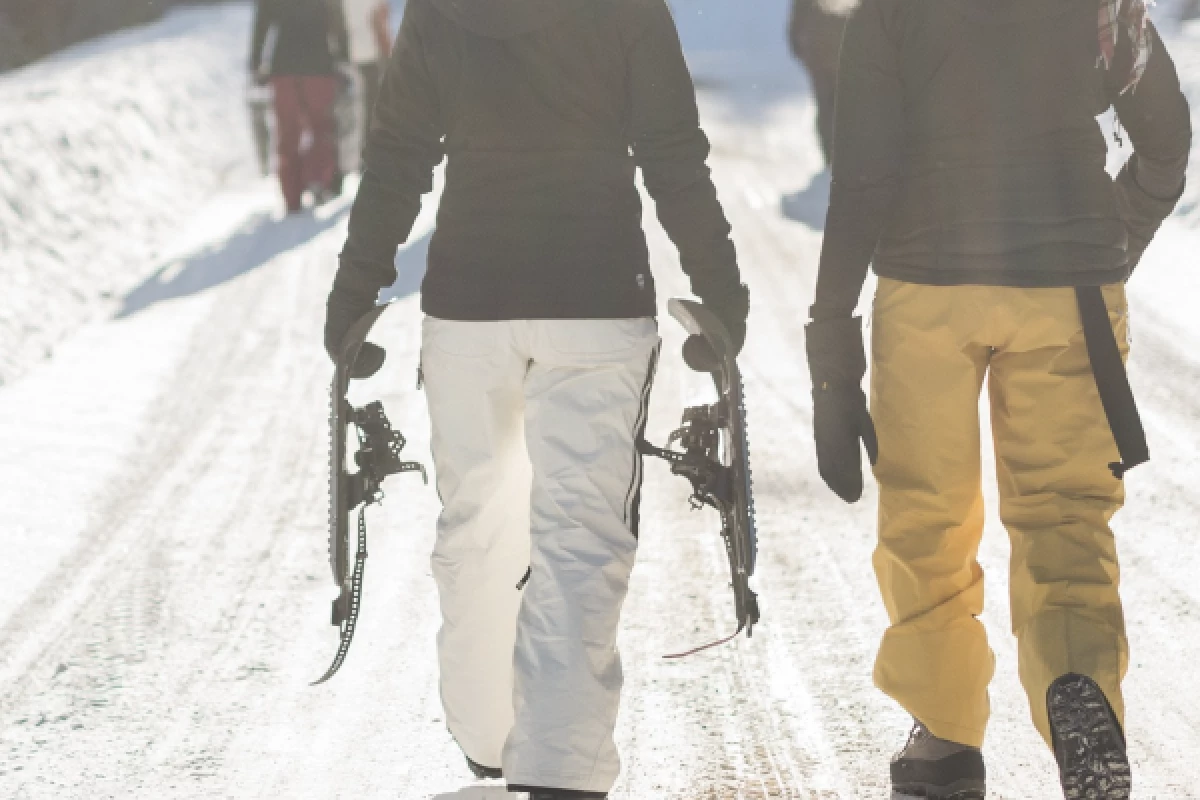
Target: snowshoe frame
[[378, 456], [715, 458]]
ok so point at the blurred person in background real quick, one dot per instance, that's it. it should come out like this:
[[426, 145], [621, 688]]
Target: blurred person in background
[[539, 344], [309, 43], [368, 28], [970, 169], [815, 34]]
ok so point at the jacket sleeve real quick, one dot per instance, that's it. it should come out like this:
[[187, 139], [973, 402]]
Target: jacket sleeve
[[1155, 114], [263, 20], [403, 147], [798, 32], [671, 150], [868, 158]]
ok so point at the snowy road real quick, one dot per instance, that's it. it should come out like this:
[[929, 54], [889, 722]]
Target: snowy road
[[163, 492]]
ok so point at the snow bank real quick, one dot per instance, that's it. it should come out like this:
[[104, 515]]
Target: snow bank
[[104, 150]]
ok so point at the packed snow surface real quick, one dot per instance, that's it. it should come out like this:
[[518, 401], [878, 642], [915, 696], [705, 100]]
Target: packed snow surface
[[162, 475], [104, 151]]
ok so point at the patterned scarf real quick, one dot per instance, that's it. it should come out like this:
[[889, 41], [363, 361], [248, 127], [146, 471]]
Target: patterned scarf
[[1133, 18]]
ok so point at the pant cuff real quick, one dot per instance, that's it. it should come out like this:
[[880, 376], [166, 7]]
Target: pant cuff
[[958, 734]]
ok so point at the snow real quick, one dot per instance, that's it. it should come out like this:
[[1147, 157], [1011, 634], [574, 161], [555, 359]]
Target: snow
[[104, 151], [165, 590]]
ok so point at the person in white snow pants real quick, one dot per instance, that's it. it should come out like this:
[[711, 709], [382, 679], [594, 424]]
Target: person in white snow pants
[[535, 424], [540, 341]]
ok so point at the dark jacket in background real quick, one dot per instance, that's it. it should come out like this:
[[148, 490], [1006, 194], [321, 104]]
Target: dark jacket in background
[[815, 35], [310, 37], [967, 150], [816, 29], [545, 109]]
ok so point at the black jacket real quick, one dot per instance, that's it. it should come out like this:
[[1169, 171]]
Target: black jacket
[[815, 32], [310, 36], [545, 109], [967, 151]]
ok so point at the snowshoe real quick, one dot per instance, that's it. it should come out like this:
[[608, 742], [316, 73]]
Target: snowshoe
[[378, 456], [258, 101], [1088, 742], [347, 113], [936, 768], [714, 456]]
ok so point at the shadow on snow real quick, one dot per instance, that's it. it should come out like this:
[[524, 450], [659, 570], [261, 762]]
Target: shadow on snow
[[257, 242], [260, 240], [808, 206]]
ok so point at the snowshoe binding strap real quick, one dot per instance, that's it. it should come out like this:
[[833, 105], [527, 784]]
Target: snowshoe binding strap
[[377, 458], [699, 438], [345, 608]]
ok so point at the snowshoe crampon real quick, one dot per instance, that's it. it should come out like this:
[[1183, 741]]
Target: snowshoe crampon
[[377, 456], [711, 450]]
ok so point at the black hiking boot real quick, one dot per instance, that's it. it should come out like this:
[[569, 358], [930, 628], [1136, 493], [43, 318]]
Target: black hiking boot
[[484, 773], [938, 769], [1088, 742]]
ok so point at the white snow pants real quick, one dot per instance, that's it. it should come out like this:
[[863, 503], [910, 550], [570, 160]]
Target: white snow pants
[[535, 424]]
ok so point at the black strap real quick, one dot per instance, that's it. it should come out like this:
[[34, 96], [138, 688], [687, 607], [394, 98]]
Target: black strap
[[356, 586], [1112, 381]]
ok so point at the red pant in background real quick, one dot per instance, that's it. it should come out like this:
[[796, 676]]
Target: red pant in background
[[304, 103]]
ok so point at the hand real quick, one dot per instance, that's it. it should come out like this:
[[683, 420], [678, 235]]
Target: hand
[[732, 311], [840, 418], [341, 312], [1142, 212]]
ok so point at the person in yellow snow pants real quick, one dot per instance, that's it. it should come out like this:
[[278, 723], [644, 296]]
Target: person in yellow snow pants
[[932, 349], [970, 172]]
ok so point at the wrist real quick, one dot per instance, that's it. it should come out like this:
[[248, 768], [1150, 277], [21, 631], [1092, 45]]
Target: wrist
[[836, 355], [827, 312], [352, 287]]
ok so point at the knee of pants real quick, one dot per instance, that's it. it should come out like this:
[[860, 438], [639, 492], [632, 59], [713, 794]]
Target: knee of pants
[[1063, 559]]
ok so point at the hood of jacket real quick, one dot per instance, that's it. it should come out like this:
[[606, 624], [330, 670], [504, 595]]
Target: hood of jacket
[[504, 19]]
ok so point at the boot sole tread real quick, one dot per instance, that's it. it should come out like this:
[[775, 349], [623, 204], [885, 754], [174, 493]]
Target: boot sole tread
[[1093, 763]]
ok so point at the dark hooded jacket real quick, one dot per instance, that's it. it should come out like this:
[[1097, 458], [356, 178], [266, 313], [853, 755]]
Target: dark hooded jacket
[[544, 109], [967, 149], [310, 37], [815, 32]]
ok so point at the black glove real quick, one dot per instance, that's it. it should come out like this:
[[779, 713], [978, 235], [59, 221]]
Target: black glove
[[732, 310], [1142, 212], [840, 418], [345, 307]]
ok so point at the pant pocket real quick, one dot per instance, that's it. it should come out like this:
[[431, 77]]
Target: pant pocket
[[595, 341], [459, 338]]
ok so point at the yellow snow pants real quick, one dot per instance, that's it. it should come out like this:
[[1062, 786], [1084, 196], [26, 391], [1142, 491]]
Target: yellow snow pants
[[932, 347]]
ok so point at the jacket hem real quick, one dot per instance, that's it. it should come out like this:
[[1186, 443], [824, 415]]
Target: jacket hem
[[478, 311], [1009, 278]]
